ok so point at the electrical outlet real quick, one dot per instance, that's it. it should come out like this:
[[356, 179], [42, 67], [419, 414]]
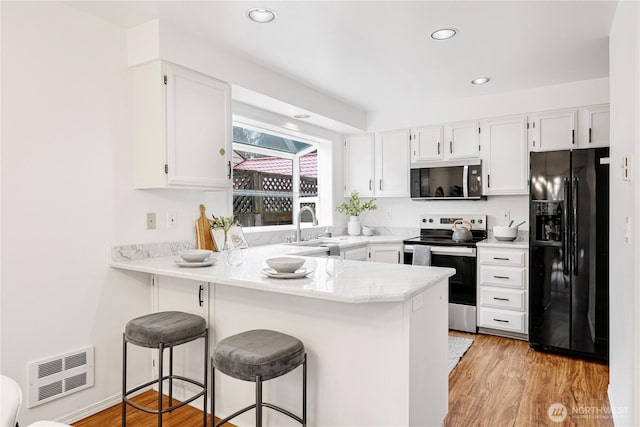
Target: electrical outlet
[[506, 216], [626, 168], [387, 215], [172, 220], [151, 221]]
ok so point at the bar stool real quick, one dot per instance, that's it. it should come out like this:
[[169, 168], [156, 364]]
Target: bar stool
[[259, 355], [162, 330]]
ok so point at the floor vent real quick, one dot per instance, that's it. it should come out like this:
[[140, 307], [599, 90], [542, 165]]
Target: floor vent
[[59, 376]]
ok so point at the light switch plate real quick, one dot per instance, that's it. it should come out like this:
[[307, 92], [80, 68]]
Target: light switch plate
[[151, 221]]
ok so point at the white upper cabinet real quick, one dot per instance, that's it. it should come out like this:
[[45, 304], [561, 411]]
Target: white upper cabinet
[[594, 126], [358, 165], [392, 164], [462, 140], [553, 130], [182, 128], [377, 166], [427, 144], [504, 155]]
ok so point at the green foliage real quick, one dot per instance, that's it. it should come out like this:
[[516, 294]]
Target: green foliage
[[223, 222], [355, 206]]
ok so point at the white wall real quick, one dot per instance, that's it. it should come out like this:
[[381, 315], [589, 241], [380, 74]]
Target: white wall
[[404, 213], [161, 39], [624, 48], [68, 197]]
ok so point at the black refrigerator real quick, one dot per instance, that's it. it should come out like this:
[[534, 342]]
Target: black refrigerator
[[569, 252]]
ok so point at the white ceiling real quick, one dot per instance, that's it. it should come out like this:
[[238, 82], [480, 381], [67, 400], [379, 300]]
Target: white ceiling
[[378, 54]]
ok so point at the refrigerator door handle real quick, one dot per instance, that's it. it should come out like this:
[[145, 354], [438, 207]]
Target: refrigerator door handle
[[565, 229], [574, 226]]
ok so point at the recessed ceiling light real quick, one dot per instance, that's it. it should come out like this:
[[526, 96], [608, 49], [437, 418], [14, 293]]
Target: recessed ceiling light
[[261, 15], [302, 116], [481, 81], [443, 34]]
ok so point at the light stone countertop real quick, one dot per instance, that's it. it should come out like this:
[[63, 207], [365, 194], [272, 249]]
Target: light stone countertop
[[519, 243], [361, 281]]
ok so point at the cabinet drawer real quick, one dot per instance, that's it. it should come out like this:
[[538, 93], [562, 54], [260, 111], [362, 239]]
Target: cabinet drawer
[[502, 298], [495, 318], [502, 276], [509, 257]]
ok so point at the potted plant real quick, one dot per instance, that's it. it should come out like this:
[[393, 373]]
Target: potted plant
[[225, 223], [354, 207]]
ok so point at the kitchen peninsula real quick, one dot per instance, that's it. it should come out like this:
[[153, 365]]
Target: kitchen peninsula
[[376, 336]]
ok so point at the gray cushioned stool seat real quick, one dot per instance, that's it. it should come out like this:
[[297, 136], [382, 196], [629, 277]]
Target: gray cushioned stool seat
[[168, 327], [269, 354]]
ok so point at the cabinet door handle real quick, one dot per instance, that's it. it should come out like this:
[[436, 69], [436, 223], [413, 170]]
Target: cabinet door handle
[[450, 147], [200, 300], [573, 136], [488, 181], [501, 277], [500, 320], [589, 135], [380, 184], [398, 257], [500, 299], [500, 259], [369, 185], [438, 148], [229, 169]]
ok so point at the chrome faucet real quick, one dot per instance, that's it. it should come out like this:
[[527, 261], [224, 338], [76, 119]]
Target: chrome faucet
[[313, 215]]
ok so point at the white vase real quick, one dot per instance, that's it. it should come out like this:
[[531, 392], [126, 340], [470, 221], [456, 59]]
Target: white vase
[[353, 227]]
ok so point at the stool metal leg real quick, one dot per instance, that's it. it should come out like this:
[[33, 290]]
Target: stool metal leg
[[258, 401], [206, 379], [213, 394], [304, 391], [124, 380], [170, 376], [160, 354]]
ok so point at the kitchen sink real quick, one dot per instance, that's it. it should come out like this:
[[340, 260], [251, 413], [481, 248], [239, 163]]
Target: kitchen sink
[[314, 242]]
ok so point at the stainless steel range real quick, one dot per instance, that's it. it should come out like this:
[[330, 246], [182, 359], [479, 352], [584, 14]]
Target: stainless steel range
[[436, 231]]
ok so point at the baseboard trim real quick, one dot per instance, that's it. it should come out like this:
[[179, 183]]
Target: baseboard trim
[[178, 393], [90, 410]]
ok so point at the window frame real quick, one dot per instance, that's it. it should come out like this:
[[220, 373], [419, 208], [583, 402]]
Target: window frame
[[295, 157]]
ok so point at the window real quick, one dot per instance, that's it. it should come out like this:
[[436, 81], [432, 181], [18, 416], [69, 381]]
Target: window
[[273, 177]]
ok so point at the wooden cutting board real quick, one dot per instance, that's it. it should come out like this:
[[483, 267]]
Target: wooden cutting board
[[203, 231]]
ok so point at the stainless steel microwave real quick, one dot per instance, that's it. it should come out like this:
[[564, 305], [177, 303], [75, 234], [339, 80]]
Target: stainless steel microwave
[[447, 182]]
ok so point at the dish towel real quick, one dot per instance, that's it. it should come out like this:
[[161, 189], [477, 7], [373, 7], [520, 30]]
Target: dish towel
[[334, 249], [421, 255]]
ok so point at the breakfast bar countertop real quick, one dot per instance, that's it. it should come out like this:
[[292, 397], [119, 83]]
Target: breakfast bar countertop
[[360, 282]]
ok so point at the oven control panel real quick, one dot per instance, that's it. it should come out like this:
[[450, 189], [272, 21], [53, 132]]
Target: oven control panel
[[446, 221]]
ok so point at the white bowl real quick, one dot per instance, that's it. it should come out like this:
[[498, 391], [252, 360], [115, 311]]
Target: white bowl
[[367, 231], [505, 233], [285, 264], [195, 255]]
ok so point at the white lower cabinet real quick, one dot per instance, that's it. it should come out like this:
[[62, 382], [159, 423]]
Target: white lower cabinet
[[359, 253], [173, 294], [386, 252], [503, 291]]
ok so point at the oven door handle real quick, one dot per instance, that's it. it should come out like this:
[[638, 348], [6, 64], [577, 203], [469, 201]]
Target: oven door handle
[[446, 250]]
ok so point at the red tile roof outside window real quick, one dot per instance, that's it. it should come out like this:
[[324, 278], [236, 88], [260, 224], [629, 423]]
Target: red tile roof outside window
[[278, 165]]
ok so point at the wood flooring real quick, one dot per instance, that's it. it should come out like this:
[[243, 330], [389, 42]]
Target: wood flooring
[[186, 416], [500, 382]]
